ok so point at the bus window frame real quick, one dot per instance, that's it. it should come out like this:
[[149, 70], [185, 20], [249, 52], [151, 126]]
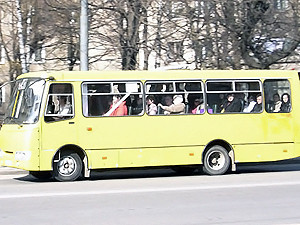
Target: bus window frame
[[233, 85], [290, 89], [60, 117], [175, 92], [84, 103]]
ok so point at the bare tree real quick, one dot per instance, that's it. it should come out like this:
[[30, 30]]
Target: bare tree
[[209, 33], [9, 41], [236, 34], [62, 29], [121, 26], [253, 33]]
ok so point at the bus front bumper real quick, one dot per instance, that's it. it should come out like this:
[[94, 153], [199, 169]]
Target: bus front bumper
[[18, 159]]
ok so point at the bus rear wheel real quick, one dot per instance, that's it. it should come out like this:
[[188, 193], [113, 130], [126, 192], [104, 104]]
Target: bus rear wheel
[[68, 167], [216, 161]]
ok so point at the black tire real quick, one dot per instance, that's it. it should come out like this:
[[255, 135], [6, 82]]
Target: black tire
[[216, 161], [184, 170], [68, 168], [42, 175]]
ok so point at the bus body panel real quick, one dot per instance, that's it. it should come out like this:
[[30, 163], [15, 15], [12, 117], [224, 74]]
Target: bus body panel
[[264, 152], [144, 157], [169, 138], [20, 145], [54, 136]]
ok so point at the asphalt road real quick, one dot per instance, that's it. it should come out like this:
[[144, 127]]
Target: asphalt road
[[255, 194]]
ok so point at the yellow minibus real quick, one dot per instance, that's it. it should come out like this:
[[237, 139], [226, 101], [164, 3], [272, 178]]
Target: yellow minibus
[[65, 124]]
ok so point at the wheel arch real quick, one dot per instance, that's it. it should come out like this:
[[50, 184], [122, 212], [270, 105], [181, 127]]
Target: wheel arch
[[76, 149], [225, 145]]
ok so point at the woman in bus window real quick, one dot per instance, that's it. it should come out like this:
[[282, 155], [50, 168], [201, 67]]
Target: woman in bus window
[[276, 103], [286, 103], [121, 110], [232, 104], [198, 106], [251, 104], [258, 106]]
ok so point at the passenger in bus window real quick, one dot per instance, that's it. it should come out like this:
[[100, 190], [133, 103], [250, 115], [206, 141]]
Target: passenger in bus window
[[167, 100], [65, 106], [276, 104], [258, 106], [151, 107], [286, 103], [50, 106], [251, 104], [137, 106], [241, 98], [232, 104], [176, 108], [118, 109], [218, 106], [198, 106]]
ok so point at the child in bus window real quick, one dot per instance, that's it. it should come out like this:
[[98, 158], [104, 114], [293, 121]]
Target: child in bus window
[[151, 107]]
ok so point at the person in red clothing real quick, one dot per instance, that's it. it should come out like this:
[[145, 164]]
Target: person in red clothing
[[121, 110]]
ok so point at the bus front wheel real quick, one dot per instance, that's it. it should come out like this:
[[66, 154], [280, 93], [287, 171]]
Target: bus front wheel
[[216, 161], [68, 167]]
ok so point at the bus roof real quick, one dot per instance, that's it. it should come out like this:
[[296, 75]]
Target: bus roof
[[161, 75]]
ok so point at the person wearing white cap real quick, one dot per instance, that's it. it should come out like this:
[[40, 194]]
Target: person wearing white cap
[[176, 108]]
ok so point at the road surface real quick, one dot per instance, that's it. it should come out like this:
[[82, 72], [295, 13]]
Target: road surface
[[255, 194]]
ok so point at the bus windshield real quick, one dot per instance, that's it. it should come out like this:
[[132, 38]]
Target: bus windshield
[[25, 102]]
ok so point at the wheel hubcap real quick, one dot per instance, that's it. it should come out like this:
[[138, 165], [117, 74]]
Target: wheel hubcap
[[216, 160], [67, 166]]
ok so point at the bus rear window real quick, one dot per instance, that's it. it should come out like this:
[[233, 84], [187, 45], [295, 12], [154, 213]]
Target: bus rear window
[[277, 96]]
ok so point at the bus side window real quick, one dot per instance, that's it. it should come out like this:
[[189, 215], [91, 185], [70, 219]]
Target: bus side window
[[60, 103], [174, 97], [112, 98], [277, 96], [233, 96]]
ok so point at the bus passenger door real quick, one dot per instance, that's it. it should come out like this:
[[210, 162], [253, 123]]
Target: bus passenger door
[[58, 128]]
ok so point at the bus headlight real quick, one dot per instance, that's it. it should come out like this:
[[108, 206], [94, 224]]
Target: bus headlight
[[22, 155]]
